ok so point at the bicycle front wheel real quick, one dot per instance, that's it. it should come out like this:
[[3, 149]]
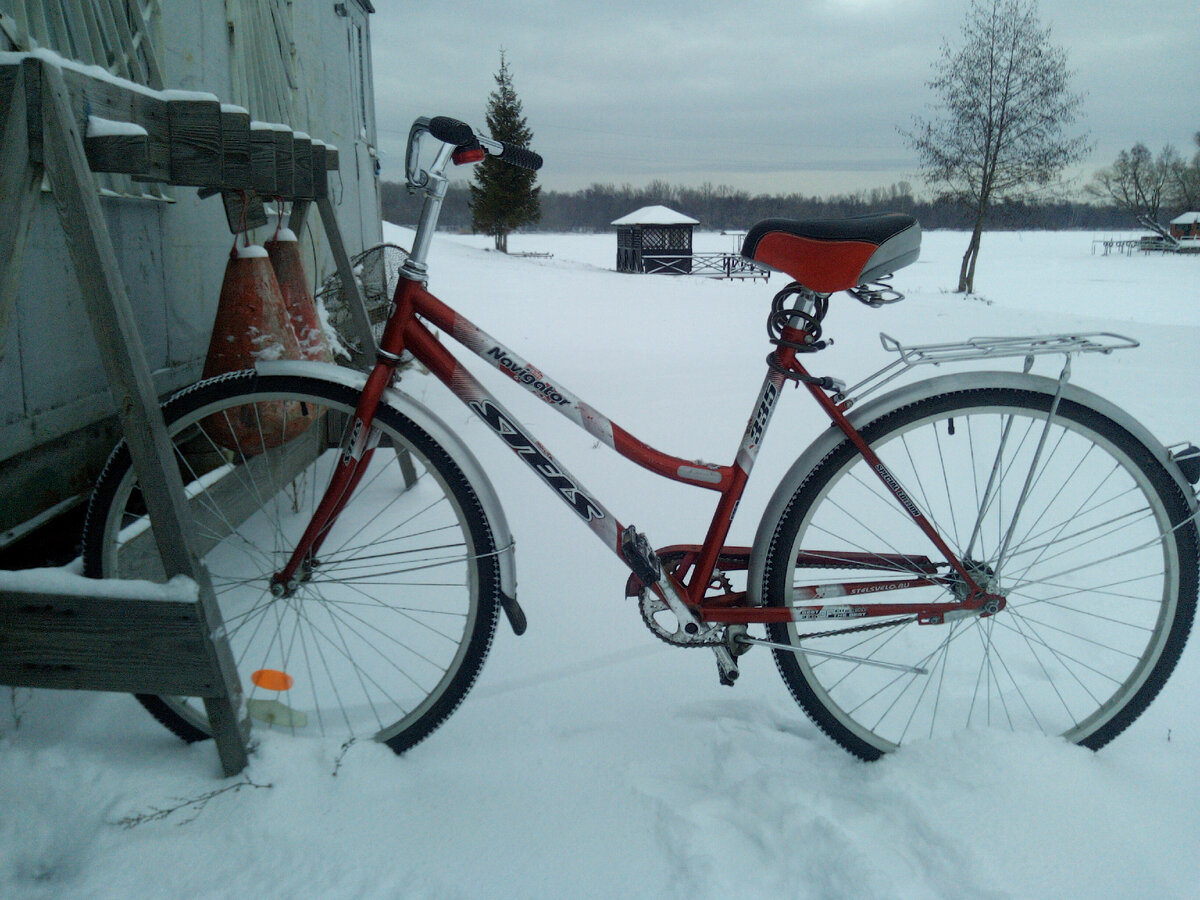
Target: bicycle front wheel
[[1069, 517], [387, 630]]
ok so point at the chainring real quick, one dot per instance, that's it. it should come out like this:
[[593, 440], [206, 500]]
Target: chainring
[[651, 605]]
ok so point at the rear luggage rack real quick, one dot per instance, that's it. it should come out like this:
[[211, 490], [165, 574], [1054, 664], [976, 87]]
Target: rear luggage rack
[[981, 348], [998, 347]]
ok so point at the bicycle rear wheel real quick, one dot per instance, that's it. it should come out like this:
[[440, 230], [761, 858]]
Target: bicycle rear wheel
[[386, 634], [1075, 523]]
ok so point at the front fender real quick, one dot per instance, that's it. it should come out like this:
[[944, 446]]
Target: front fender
[[440, 432]]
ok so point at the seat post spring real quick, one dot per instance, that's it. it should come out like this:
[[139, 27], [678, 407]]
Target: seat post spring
[[808, 307], [798, 307]]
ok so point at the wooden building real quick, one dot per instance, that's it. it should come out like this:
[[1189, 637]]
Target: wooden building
[[655, 239], [1186, 226], [306, 63]]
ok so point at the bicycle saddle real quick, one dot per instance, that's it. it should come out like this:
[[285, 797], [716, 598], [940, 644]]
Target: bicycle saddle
[[827, 255]]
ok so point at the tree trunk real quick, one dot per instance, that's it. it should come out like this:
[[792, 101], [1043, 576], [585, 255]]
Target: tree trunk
[[966, 273], [502, 241]]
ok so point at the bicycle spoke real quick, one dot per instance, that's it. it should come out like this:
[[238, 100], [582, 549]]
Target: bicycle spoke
[[1063, 524], [398, 609]]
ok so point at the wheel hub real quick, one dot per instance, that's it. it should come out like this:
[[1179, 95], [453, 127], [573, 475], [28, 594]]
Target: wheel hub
[[981, 573], [982, 602], [281, 588]]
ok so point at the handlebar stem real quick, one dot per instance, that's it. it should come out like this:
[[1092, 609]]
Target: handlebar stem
[[433, 185]]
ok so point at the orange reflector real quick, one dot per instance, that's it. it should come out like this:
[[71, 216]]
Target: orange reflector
[[272, 680], [466, 155]]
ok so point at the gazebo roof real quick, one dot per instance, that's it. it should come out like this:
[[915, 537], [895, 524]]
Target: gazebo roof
[[655, 215], [1186, 219]]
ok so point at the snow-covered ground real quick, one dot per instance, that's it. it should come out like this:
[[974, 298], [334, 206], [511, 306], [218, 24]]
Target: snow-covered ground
[[593, 761]]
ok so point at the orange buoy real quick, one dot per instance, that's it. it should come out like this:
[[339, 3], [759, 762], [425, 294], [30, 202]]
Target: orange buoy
[[252, 325], [284, 252]]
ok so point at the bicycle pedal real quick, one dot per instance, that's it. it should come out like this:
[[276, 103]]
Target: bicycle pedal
[[727, 675], [727, 667], [640, 556]]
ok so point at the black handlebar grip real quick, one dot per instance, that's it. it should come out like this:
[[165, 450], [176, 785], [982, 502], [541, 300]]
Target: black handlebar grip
[[451, 131], [520, 156]]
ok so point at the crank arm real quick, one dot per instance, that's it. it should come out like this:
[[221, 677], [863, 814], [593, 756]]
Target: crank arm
[[746, 639]]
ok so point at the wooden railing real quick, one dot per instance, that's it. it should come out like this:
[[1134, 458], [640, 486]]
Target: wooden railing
[[707, 265], [727, 265]]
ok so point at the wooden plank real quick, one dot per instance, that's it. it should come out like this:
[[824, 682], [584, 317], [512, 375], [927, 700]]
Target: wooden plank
[[122, 153], [235, 149], [298, 215], [131, 644], [320, 178], [116, 22], [285, 164], [195, 125], [32, 74], [20, 181], [122, 101], [14, 25], [88, 31], [131, 386], [243, 211], [302, 170], [364, 337], [146, 16], [263, 175], [331, 158]]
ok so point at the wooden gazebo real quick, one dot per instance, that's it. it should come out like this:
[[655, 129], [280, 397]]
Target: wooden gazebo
[[1186, 225], [655, 239]]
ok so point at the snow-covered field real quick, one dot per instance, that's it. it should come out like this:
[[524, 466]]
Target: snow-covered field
[[593, 761]]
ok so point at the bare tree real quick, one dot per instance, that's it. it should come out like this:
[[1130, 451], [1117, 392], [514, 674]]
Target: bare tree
[[1137, 182], [1184, 181], [1001, 115]]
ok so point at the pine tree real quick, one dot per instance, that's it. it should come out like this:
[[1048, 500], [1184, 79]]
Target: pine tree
[[504, 197]]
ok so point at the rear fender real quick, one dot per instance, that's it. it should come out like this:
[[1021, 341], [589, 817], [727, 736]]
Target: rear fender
[[903, 396]]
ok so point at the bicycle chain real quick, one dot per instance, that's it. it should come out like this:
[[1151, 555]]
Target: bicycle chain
[[650, 603], [853, 628]]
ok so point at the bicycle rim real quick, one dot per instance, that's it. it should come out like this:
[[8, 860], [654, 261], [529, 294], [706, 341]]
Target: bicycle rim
[[387, 632], [1074, 523]]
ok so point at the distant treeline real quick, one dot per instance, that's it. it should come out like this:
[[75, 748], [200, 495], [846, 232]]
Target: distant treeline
[[725, 208]]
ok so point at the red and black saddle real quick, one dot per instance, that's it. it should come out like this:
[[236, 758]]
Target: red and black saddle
[[827, 255]]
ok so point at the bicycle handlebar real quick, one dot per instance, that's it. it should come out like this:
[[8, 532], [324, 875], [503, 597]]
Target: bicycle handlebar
[[455, 136], [462, 135], [520, 156], [451, 131]]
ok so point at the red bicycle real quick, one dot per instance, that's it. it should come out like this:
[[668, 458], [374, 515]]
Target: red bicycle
[[976, 549]]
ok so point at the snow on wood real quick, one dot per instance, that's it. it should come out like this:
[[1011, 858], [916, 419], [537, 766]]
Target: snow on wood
[[98, 127]]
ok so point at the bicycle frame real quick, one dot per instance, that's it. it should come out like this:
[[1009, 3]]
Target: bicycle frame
[[406, 331]]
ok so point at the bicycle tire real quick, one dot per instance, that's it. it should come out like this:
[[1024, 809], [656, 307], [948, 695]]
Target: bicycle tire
[[387, 635], [1089, 633]]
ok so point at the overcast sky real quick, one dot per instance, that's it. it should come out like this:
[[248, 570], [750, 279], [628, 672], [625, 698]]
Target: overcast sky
[[773, 96]]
